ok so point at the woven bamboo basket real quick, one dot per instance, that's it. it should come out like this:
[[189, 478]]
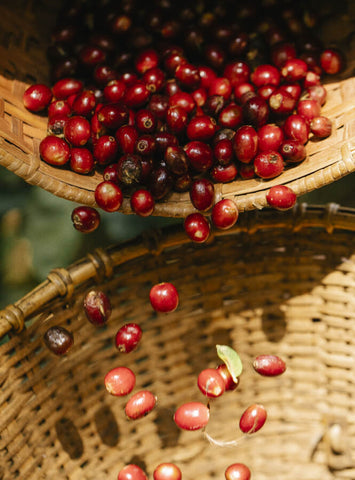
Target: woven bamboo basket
[[26, 27], [280, 283]]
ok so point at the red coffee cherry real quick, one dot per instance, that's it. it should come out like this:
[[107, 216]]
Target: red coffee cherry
[[132, 472], [105, 149], [229, 383], [281, 197], [164, 297], [58, 340], [321, 126], [245, 142], [167, 471], [192, 416], [210, 382], [293, 151], [128, 337], [269, 365], [201, 128], [265, 75], [202, 194], [37, 97], [197, 227], [331, 61], [77, 131], [237, 471], [65, 87], [142, 202], [224, 214], [108, 196], [120, 381], [252, 419], [97, 307], [268, 164], [85, 219], [54, 150], [140, 404], [270, 137]]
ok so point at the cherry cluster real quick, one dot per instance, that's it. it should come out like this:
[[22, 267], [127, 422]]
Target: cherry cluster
[[212, 382], [179, 98]]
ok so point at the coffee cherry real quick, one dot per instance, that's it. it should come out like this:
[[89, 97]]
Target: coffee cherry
[[200, 155], [142, 202], [54, 150], [197, 227], [252, 419], [192, 416], [81, 160], [108, 196], [210, 382], [245, 142], [201, 128], [128, 337], [265, 75], [132, 472], [58, 340], [164, 297], [269, 365], [113, 116], [308, 109], [140, 404], [296, 128], [224, 173], [85, 219], [202, 194], [237, 471], [37, 97], [84, 103], [229, 383], [293, 151], [268, 164], [105, 149], [270, 137], [97, 307], [77, 131], [321, 126], [281, 197], [224, 214], [120, 381], [331, 61], [167, 471]]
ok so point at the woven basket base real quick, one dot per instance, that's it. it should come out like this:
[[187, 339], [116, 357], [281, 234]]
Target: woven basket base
[[286, 289]]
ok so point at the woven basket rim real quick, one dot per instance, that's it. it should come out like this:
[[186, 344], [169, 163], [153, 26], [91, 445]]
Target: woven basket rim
[[101, 263]]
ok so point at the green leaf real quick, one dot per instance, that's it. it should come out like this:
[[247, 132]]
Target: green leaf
[[231, 359]]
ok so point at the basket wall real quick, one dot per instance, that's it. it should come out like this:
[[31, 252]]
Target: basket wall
[[278, 289]]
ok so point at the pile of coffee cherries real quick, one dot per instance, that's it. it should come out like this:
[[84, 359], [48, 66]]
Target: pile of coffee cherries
[[181, 96], [120, 381]]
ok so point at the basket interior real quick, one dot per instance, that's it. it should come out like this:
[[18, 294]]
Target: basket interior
[[23, 44], [275, 291]]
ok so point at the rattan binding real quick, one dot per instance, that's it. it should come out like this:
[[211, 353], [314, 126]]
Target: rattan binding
[[23, 60], [279, 283]]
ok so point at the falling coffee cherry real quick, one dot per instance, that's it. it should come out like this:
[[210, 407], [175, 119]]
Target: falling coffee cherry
[[128, 337], [120, 381], [269, 365], [192, 416], [252, 419], [237, 471], [167, 471], [164, 297], [140, 404], [58, 340], [97, 307], [131, 472]]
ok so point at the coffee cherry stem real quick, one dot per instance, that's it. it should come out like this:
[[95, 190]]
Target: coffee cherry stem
[[224, 443]]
